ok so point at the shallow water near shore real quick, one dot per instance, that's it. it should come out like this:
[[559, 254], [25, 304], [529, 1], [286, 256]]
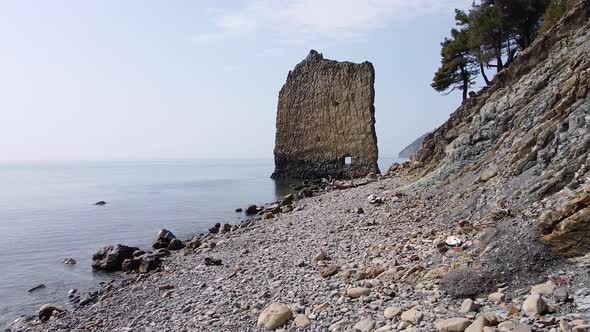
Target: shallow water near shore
[[47, 214]]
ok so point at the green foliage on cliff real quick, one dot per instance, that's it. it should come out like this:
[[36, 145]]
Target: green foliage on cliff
[[489, 35], [555, 10]]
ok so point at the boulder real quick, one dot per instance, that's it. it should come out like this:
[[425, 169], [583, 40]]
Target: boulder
[[111, 258], [288, 199], [410, 315], [534, 304], [468, 306], [46, 311], [251, 210], [215, 228], [163, 239], [130, 264], [163, 252], [356, 292], [149, 263], [274, 316], [497, 297], [175, 244], [194, 243], [224, 228], [458, 324], [478, 325]]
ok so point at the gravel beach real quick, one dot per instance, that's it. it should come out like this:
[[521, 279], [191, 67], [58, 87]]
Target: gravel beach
[[369, 258]]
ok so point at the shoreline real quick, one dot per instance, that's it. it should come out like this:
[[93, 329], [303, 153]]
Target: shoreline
[[379, 240]]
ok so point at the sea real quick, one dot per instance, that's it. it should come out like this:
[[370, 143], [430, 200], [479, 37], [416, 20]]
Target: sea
[[47, 214]]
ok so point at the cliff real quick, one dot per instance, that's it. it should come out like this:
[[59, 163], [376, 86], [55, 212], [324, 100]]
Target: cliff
[[326, 114], [412, 148], [517, 156]]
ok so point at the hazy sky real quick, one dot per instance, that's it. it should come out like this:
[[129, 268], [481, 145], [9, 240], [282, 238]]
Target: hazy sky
[[112, 79]]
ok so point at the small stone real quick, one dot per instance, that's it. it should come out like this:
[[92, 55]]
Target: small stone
[[458, 324], [365, 325], [410, 315], [561, 295], [581, 328], [468, 306], [534, 304], [302, 320], [274, 316], [564, 326], [212, 261], [522, 328], [392, 312], [321, 256], [497, 297], [544, 289], [357, 292], [478, 325], [330, 271]]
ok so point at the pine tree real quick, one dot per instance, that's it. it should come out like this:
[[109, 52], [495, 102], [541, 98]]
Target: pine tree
[[555, 10], [457, 70]]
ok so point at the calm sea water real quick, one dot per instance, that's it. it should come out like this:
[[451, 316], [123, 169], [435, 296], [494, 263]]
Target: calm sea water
[[47, 214]]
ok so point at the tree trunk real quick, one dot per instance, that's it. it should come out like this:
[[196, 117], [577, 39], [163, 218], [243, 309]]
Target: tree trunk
[[465, 82], [483, 73]]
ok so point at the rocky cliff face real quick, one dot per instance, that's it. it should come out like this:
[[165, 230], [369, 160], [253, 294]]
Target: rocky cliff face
[[326, 114], [521, 148]]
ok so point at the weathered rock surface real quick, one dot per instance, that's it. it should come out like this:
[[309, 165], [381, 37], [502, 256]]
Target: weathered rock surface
[[325, 114]]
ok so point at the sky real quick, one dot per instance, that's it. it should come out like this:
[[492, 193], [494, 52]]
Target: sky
[[146, 79]]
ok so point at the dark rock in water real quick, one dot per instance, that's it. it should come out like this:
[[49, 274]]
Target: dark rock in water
[[100, 203], [239, 210], [38, 287], [215, 228], [163, 239], [111, 258], [175, 244], [162, 252], [149, 263], [250, 210], [70, 261], [131, 264], [212, 261], [47, 310]]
